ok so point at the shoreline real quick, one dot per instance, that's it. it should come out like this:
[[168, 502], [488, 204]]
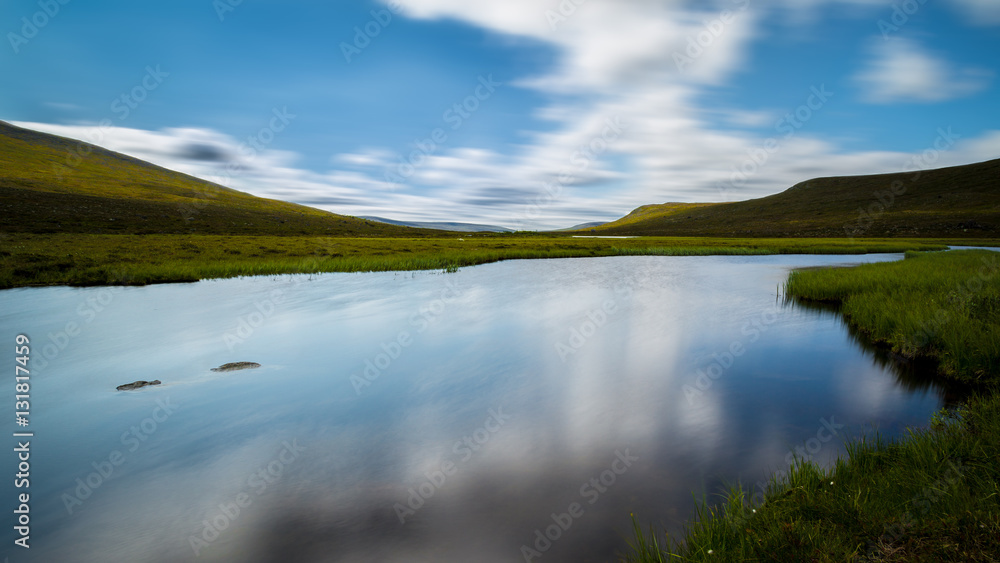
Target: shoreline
[[931, 495], [34, 260]]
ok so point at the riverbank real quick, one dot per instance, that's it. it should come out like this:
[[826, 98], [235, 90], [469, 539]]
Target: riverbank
[[85, 259], [930, 496]]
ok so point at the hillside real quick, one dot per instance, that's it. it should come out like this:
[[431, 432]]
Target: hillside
[[444, 226], [960, 201], [50, 184]]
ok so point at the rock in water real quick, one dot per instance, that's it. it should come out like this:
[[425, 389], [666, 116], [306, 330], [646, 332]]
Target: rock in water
[[137, 385], [237, 365]]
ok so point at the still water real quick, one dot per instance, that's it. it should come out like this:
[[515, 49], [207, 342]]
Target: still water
[[428, 416]]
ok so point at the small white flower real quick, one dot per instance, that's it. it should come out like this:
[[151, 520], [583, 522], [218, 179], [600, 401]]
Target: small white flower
[[831, 482], [710, 552], [754, 510]]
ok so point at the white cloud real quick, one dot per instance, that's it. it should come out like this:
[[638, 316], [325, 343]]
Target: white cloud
[[741, 118], [903, 71], [645, 63], [981, 12], [604, 43], [691, 164], [62, 106], [369, 157]]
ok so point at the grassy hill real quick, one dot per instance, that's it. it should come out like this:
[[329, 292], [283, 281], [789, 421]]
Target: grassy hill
[[50, 184], [77, 214], [960, 201]]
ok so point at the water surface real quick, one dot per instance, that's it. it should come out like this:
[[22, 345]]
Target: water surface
[[429, 416]]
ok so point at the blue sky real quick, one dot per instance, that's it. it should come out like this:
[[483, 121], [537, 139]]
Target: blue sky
[[523, 113]]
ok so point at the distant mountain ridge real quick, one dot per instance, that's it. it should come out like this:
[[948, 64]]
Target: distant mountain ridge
[[445, 226], [52, 184], [583, 226], [957, 201]]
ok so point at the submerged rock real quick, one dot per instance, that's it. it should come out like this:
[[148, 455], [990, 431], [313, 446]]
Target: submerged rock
[[237, 365], [137, 385]]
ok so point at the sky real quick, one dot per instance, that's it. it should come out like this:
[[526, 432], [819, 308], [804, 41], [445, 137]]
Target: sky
[[528, 114]]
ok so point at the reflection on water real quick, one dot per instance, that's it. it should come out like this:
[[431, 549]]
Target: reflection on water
[[913, 374], [511, 411]]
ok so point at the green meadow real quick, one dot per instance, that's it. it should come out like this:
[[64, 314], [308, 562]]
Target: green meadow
[[32, 259], [933, 495], [940, 306]]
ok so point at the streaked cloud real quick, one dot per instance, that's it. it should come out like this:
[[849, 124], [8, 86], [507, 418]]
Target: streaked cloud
[[706, 101], [903, 71], [484, 187], [980, 12]]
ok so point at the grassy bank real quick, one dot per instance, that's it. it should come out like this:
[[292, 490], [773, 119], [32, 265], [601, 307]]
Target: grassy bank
[[84, 259], [943, 306], [930, 496]]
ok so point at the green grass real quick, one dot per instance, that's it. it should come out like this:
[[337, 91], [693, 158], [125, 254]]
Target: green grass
[[960, 201], [80, 259], [941, 306], [933, 495]]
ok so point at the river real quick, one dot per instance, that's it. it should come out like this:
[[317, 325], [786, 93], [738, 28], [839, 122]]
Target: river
[[506, 412]]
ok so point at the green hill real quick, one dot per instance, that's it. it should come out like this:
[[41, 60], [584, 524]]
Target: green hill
[[960, 201], [50, 184]]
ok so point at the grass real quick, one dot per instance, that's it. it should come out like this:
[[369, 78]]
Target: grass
[[28, 259], [933, 495], [941, 306], [960, 201]]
